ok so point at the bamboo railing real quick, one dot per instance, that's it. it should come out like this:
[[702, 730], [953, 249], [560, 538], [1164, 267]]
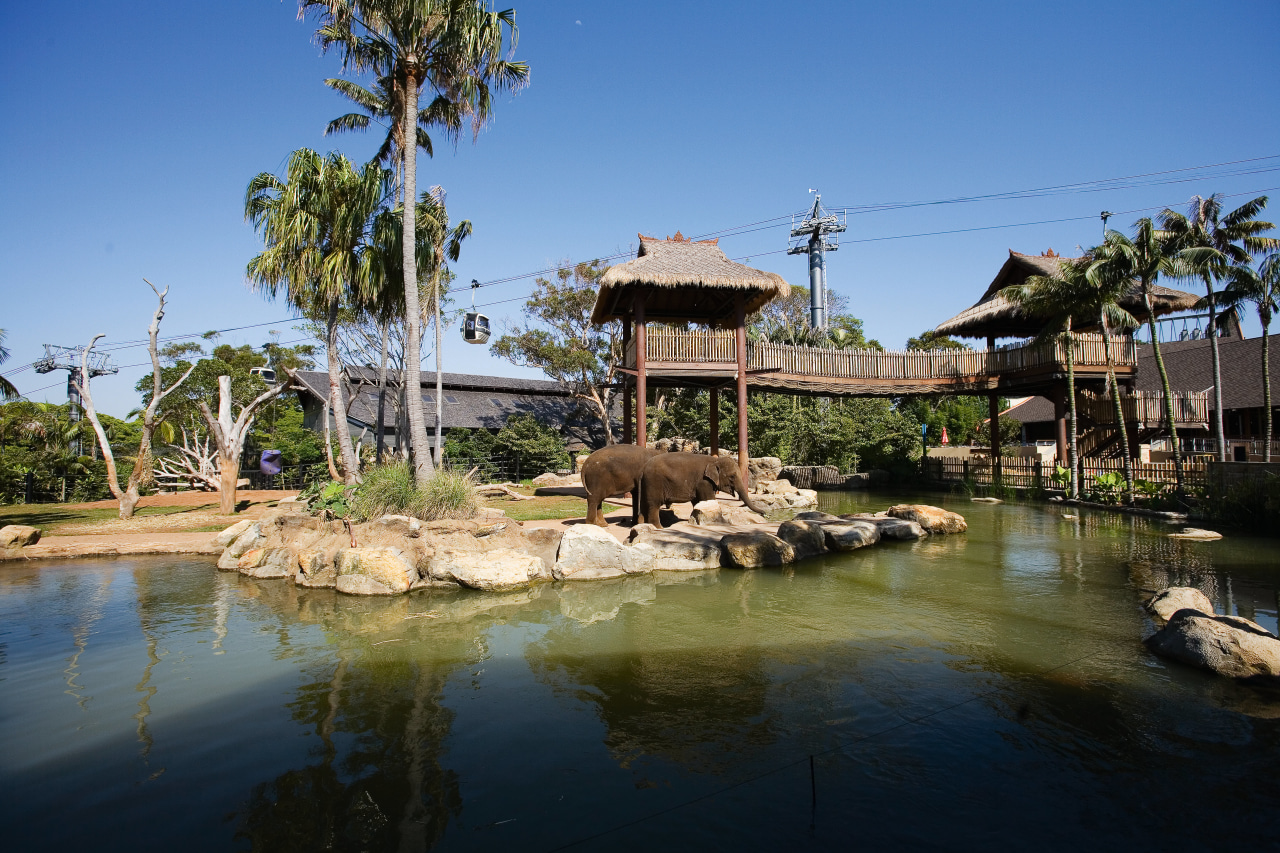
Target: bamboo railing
[[1146, 408], [717, 348], [1031, 473]]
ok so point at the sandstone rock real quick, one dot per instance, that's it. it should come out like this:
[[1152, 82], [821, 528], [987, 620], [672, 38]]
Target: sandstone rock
[[850, 535], [639, 530], [374, 571], [588, 552], [501, 569], [248, 540], [805, 537], [707, 512], [681, 550], [777, 487], [18, 535], [316, 568], [762, 469], [931, 518], [816, 515], [227, 536], [756, 548], [266, 563], [578, 460], [899, 528], [544, 543], [740, 516], [489, 513], [1196, 534], [1169, 601], [985, 500], [1228, 645], [553, 480], [677, 445]]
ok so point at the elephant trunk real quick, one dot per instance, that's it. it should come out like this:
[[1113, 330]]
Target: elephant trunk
[[741, 488]]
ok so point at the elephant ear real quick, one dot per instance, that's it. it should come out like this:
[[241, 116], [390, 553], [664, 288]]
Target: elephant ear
[[715, 473]]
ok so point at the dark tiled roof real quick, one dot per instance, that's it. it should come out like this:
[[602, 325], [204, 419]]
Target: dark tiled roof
[[1031, 410], [461, 381]]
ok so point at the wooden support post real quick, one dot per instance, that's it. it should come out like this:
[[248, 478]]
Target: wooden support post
[[1060, 423], [626, 383], [715, 421], [642, 383], [993, 409], [740, 335]]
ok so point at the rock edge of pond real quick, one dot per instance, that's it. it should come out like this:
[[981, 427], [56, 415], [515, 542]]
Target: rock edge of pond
[[397, 554], [1191, 632]]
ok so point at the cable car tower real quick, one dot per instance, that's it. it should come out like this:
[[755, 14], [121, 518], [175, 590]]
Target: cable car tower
[[70, 359], [817, 235]]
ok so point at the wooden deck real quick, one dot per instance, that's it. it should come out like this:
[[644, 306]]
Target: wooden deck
[[706, 358], [1145, 409]]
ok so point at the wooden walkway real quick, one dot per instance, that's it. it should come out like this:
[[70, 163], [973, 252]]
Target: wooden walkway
[[707, 358]]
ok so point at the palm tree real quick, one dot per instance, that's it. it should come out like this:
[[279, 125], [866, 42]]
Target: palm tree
[[8, 391], [381, 105], [1262, 288], [1145, 257], [454, 47], [1233, 239], [1052, 297], [316, 224]]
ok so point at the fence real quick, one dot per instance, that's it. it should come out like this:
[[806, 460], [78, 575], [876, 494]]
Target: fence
[[290, 476], [1033, 474], [1146, 408]]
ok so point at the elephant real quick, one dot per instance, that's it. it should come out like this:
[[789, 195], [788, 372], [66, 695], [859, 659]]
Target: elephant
[[678, 477], [613, 470]]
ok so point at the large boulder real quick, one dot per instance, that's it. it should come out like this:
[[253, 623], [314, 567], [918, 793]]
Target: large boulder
[[899, 528], [588, 552], [1169, 601], [554, 480], [931, 518], [375, 571], [807, 538], [762, 469], [1196, 534], [249, 539], [850, 535], [677, 445], [752, 549], [1228, 645], [814, 515], [229, 535], [707, 512], [740, 516], [317, 567], [544, 542], [266, 563], [18, 535], [680, 549], [497, 570]]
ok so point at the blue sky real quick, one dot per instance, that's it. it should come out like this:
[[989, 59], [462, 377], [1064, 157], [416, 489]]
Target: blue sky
[[134, 127]]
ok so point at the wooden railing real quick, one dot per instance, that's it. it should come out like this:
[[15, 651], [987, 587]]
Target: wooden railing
[[717, 348], [1033, 474], [1146, 408]]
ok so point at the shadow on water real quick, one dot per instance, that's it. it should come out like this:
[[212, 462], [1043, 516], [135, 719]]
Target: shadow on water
[[963, 692]]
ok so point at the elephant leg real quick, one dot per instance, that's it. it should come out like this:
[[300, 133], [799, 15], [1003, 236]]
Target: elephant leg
[[637, 502], [594, 514], [704, 491]]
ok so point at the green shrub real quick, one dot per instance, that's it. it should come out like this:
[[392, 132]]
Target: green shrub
[[390, 490], [449, 494], [387, 490]]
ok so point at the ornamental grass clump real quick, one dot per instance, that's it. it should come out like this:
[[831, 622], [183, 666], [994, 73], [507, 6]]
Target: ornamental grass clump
[[390, 490]]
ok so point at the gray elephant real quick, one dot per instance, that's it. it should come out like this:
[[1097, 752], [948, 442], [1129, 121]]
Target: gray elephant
[[611, 471], [678, 477]]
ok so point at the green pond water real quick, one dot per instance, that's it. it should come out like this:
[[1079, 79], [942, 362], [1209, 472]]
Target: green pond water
[[982, 691]]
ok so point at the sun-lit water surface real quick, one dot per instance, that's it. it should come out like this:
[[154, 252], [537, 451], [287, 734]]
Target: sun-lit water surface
[[981, 691]]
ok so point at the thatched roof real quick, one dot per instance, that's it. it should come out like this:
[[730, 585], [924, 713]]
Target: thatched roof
[[996, 315], [684, 280]]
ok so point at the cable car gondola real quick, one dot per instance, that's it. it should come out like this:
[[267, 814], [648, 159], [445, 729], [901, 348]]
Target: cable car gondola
[[475, 328]]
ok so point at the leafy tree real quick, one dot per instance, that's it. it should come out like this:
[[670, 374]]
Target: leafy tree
[[8, 391], [931, 340], [456, 49], [317, 224], [560, 340], [785, 320], [1261, 287], [1233, 240], [531, 447]]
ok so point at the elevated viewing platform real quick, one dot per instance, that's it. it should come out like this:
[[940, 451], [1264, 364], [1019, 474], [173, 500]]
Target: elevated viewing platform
[[707, 358]]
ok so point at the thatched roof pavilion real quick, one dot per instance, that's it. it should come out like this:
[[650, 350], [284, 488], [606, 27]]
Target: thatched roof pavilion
[[995, 316], [684, 280]]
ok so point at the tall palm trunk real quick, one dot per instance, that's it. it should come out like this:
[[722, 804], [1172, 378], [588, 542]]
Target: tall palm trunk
[[350, 467], [1073, 449], [382, 394], [1266, 387], [1164, 385], [1115, 395], [423, 469], [1217, 371], [435, 297]]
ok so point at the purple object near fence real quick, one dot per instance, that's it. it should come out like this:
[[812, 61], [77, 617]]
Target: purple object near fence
[[270, 462]]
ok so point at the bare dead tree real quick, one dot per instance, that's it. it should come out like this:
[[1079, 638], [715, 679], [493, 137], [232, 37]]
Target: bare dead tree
[[151, 417], [196, 464], [230, 433]]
